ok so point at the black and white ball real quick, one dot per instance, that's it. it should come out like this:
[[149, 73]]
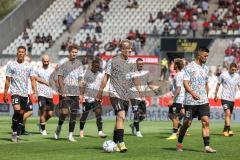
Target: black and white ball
[[109, 146]]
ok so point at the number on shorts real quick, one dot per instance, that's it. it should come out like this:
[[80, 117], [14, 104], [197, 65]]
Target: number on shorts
[[15, 100]]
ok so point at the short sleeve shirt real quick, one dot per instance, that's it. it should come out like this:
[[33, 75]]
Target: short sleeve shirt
[[178, 82], [20, 74], [44, 90], [120, 72], [93, 82], [229, 85], [198, 77], [72, 73]]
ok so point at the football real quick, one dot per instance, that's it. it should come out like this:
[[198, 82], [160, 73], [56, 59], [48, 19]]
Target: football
[[109, 146]]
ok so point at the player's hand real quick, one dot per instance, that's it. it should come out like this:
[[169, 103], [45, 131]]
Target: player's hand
[[170, 102], [195, 95], [5, 98], [99, 97], [215, 98]]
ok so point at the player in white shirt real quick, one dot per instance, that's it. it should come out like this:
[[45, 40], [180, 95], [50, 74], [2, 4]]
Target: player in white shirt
[[45, 93], [139, 104], [230, 81], [176, 108], [69, 77], [17, 75], [90, 85]]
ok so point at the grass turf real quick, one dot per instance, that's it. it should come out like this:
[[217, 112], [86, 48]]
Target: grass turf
[[152, 146]]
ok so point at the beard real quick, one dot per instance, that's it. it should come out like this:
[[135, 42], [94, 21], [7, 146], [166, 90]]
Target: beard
[[45, 65]]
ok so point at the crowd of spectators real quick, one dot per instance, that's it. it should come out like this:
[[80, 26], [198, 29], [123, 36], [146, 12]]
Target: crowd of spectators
[[232, 53], [226, 19]]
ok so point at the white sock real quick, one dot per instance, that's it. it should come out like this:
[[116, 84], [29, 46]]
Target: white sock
[[70, 134]]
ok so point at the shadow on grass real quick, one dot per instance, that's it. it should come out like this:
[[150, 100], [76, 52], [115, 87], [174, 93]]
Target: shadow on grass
[[53, 139], [217, 134], [185, 149], [6, 139]]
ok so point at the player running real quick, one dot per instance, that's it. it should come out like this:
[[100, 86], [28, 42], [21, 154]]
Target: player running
[[196, 98], [17, 75], [69, 77], [91, 83], [176, 109], [138, 104], [45, 93], [119, 72], [230, 80]]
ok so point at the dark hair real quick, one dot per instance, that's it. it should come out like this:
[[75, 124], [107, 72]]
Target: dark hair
[[204, 49], [72, 47], [233, 65], [179, 63], [96, 61], [21, 47], [139, 59]]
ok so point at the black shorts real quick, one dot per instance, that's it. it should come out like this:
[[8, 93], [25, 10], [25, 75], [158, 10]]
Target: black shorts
[[175, 109], [138, 106], [119, 104], [71, 102], [45, 103], [29, 104], [19, 100], [87, 106], [194, 111], [227, 105]]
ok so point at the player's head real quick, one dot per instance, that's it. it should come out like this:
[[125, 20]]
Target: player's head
[[45, 60], [233, 68], [95, 66], [21, 53], [178, 64], [202, 55], [125, 47], [139, 62], [73, 50]]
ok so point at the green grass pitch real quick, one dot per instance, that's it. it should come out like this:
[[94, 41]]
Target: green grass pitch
[[152, 146]]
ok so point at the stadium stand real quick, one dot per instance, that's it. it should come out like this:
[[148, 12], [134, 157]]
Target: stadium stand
[[47, 28], [225, 21]]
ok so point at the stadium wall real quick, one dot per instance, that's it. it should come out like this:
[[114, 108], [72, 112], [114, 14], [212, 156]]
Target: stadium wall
[[13, 24]]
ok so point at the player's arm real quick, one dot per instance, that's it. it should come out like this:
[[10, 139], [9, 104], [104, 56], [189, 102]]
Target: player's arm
[[34, 86], [6, 88], [190, 90], [216, 92], [154, 88], [61, 84], [41, 80], [137, 83], [103, 85]]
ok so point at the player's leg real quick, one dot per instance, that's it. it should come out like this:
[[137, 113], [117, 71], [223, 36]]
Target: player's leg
[[141, 116], [42, 117], [121, 108], [175, 121], [28, 113], [189, 114], [231, 110], [135, 125], [17, 116], [98, 114], [63, 114], [74, 106], [86, 109], [227, 110], [204, 114], [48, 112]]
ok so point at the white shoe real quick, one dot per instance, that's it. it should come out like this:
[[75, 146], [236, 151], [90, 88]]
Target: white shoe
[[57, 132], [71, 139], [14, 137], [102, 134], [44, 133], [139, 134], [209, 149]]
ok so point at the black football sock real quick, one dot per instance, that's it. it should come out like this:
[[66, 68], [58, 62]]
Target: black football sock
[[206, 141]]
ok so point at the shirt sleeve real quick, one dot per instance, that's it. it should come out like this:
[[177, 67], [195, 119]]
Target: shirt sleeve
[[9, 71], [186, 74], [220, 79], [109, 67], [32, 71], [179, 80]]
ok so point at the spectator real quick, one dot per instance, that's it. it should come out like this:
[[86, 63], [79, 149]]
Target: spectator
[[63, 46], [98, 28], [151, 19], [77, 3], [194, 27], [157, 51], [69, 21], [205, 27], [25, 35], [204, 8]]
